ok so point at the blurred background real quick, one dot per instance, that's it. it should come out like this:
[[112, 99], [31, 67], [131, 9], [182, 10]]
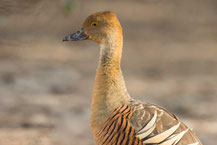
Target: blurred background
[[169, 58]]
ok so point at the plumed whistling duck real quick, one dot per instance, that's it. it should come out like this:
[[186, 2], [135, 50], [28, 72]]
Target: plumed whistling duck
[[116, 118]]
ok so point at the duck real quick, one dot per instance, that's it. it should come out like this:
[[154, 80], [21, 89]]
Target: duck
[[116, 118]]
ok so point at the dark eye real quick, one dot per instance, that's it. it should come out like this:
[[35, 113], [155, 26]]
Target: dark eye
[[94, 24]]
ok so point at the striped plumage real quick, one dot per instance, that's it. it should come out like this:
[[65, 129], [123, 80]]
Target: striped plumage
[[117, 119], [117, 129]]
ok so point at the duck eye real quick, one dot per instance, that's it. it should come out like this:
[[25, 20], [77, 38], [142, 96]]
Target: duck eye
[[94, 24]]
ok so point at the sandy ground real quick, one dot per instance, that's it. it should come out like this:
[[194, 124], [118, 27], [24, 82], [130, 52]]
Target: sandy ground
[[170, 59]]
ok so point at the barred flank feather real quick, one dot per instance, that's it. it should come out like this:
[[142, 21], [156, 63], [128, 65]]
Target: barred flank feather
[[117, 129]]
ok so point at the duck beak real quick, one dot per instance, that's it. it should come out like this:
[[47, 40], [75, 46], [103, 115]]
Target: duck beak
[[79, 35]]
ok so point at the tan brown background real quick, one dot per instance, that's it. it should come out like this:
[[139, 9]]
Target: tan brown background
[[170, 59]]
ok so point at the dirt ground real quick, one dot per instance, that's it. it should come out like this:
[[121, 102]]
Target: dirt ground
[[169, 58]]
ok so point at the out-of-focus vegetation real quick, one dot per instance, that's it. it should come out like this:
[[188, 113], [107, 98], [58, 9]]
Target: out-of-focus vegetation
[[170, 59]]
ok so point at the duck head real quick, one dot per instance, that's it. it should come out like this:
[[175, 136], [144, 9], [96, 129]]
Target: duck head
[[100, 27]]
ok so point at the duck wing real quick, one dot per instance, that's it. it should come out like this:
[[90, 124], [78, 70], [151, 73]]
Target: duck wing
[[155, 125]]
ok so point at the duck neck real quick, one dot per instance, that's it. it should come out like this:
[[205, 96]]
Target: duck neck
[[109, 89]]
